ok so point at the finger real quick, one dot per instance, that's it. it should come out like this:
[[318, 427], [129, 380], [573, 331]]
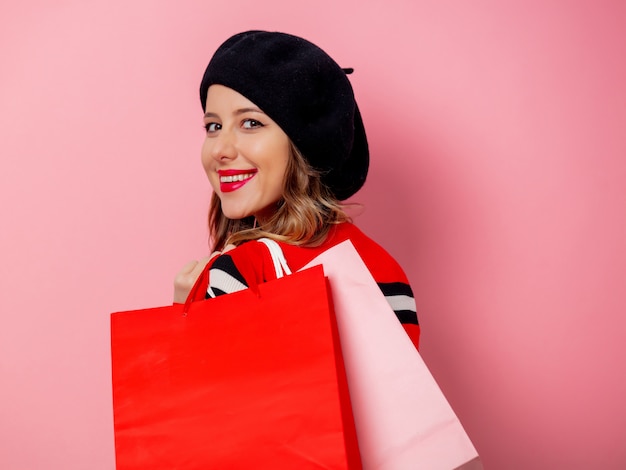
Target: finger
[[187, 277], [190, 272], [189, 267], [214, 254], [200, 265]]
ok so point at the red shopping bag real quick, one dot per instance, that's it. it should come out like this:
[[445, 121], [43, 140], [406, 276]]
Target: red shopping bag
[[253, 379]]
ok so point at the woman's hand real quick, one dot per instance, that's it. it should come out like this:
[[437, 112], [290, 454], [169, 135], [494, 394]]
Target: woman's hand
[[187, 276]]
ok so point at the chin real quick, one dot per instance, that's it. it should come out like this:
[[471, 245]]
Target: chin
[[236, 215]]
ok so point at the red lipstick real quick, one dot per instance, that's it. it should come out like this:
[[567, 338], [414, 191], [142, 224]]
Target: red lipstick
[[232, 180]]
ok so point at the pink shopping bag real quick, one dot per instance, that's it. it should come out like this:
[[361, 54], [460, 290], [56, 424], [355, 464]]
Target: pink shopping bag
[[402, 418]]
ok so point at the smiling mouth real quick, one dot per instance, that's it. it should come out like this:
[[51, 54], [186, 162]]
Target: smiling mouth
[[235, 178], [232, 180]]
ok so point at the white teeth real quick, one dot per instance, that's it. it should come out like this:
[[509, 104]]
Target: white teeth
[[230, 179]]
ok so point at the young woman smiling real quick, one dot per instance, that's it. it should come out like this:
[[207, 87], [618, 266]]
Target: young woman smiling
[[285, 143], [245, 155]]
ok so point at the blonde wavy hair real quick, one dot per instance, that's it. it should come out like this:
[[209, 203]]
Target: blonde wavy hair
[[303, 216]]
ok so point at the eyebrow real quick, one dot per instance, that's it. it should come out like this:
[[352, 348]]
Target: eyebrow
[[236, 113]]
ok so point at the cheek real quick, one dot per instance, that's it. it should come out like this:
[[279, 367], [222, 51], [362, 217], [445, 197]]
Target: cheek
[[285, 157], [207, 164]]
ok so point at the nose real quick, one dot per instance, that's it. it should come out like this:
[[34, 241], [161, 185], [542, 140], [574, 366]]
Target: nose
[[223, 145]]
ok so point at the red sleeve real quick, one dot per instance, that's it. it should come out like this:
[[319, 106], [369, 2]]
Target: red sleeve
[[414, 333], [254, 263]]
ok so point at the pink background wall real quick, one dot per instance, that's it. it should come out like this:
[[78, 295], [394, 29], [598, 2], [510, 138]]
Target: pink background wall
[[498, 180]]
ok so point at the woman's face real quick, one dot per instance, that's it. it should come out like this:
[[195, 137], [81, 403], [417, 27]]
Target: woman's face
[[245, 154]]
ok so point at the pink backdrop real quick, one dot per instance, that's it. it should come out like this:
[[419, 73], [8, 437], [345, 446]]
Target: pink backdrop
[[498, 180]]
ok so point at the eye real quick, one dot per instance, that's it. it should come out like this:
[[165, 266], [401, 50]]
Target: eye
[[212, 127], [251, 124]]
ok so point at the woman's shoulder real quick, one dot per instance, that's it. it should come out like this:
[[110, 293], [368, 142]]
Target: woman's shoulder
[[253, 260], [383, 266]]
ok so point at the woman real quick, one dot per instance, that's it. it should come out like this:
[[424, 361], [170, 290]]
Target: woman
[[285, 143]]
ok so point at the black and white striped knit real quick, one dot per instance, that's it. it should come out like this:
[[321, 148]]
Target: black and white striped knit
[[224, 277], [250, 263]]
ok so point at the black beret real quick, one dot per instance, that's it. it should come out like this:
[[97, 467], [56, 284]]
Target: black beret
[[306, 93]]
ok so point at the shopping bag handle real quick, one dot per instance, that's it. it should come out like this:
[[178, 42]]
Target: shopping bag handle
[[195, 289], [278, 257], [280, 267]]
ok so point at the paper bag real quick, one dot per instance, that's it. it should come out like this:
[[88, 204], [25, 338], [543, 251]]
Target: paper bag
[[402, 418], [253, 379]]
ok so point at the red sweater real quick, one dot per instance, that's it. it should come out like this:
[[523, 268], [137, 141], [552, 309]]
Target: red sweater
[[250, 263]]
